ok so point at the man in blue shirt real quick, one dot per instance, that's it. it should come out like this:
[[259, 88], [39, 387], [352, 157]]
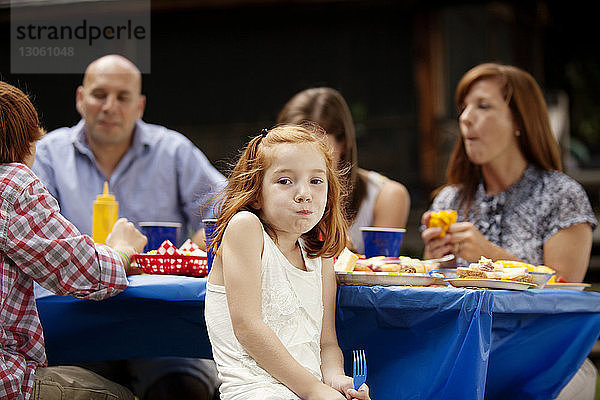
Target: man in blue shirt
[[156, 174]]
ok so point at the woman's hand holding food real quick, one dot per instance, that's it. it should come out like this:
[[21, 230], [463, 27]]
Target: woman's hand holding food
[[437, 243], [444, 235], [470, 244]]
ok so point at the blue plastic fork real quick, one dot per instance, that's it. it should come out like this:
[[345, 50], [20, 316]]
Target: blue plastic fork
[[359, 368]]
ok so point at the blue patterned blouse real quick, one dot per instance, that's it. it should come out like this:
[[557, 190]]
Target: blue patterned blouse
[[522, 218]]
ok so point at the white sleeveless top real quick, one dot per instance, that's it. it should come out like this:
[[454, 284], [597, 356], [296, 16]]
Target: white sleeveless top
[[292, 306], [364, 217]]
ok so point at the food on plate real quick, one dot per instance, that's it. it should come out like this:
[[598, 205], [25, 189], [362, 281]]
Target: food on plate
[[415, 263], [540, 274], [346, 261], [362, 267], [487, 269], [442, 219], [516, 264], [530, 267], [391, 264]]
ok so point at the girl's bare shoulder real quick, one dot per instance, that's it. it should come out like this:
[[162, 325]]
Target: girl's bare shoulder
[[396, 190], [242, 224], [243, 236]]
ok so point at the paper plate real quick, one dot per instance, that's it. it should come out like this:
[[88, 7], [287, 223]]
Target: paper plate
[[567, 285], [489, 284], [387, 279]]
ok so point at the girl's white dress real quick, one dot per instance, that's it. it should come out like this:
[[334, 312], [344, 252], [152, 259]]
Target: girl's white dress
[[292, 306]]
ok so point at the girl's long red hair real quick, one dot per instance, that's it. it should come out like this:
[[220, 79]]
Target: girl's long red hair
[[328, 237]]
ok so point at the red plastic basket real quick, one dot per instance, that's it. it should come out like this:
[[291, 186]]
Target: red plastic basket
[[165, 264]]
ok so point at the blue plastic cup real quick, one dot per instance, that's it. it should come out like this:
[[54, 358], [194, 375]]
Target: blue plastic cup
[[209, 229], [158, 232], [382, 241]]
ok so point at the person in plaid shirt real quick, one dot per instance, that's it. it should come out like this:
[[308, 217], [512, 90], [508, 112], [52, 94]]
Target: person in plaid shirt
[[38, 244]]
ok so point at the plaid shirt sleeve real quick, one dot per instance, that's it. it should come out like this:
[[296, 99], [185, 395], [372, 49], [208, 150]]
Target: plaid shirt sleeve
[[37, 243], [49, 249]]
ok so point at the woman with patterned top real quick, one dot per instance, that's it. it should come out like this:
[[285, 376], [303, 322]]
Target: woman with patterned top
[[38, 244], [505, 182]]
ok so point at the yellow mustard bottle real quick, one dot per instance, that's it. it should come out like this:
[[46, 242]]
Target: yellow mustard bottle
[[106, 212]]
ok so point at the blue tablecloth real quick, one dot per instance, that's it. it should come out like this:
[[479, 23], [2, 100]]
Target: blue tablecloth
[[421, 343], [155, 316], [447, 343]]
